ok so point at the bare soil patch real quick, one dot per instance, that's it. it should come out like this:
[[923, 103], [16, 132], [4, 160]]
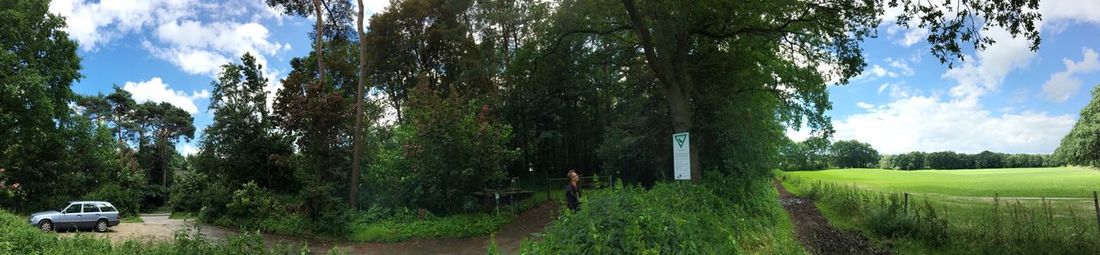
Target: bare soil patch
[[814, 231]]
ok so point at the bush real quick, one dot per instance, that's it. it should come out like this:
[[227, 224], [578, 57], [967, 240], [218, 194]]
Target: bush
[[127, 201], [182, 197], [672, 218], [448, 148]]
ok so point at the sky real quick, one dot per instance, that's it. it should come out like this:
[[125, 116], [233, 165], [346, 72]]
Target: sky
[[1006, 98]]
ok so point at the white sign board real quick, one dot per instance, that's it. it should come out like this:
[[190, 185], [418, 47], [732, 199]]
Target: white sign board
[[681, 156]]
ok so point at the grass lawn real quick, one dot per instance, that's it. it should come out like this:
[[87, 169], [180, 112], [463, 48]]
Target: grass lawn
[[1065, 182], [963, 199]]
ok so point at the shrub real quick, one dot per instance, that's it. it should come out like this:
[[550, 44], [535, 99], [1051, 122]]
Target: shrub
[[676, 218], [187, 185], [449, 147], [127, 201]]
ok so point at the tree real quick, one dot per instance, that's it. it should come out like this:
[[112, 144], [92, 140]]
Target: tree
[[449, 148], [242, 144], [122, 107], [791, 38], [40, 65], [357, 133], [166, 124], [317, 117], [1081, 146], [811, 154], [336, 24], [852, 153]]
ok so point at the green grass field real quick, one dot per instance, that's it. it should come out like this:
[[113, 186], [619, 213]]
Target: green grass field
[[1062, 182], [963, 200]]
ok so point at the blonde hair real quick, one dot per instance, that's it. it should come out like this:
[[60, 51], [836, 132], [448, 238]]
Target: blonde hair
[[571, 173]]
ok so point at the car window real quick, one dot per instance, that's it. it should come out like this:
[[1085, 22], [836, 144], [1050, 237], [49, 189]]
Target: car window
[[73, 208], [90, 208], [106, 207]]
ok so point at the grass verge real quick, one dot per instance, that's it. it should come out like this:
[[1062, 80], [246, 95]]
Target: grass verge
[[723, 216], [940, 224]]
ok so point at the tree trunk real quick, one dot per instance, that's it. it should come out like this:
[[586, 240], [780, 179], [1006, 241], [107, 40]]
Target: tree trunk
[[673, 80], [319, 38], [164, 162], [357, 138]]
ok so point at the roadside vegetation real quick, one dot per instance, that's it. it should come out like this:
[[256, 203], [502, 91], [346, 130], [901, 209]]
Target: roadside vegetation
[[19, 238], [719, 217], [950, 222]]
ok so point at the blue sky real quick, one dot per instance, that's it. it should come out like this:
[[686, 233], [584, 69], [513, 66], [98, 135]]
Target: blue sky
[[1004, 99]]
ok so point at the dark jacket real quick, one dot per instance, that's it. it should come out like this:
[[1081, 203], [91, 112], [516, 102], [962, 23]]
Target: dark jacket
[[573, 196]]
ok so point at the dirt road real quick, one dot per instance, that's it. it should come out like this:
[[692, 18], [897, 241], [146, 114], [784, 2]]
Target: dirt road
[[814, 231], [508, 238]]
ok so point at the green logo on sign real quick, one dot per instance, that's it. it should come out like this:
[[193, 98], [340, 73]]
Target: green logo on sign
[[680, 138]]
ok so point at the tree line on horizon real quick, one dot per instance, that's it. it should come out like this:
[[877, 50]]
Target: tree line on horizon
[[818, 153]]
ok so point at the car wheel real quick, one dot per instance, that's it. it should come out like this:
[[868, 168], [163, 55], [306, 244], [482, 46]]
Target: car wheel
[[101, 226], [45, 225]]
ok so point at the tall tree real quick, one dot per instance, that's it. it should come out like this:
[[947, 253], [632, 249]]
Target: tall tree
[[792, 38], [243, 144], [1081, 146], [122, 107], [40, 64], [336, 25], [357, 133], [165, 124], [852, 153]]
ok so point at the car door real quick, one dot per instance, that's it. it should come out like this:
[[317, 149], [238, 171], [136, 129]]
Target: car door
[[89, 216], [69, 216]]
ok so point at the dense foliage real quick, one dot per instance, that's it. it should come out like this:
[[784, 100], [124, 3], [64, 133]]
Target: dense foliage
[[673, 218], [449, 149], [816, 153], [1081, 146], [59, 146], [852, 153], [953, 160]]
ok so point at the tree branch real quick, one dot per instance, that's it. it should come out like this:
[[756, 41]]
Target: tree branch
[[557, 42]]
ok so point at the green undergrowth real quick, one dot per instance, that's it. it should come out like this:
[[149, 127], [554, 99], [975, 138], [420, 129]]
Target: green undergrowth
[[722, 216], [18, 237], [400, 229], [941, 224]]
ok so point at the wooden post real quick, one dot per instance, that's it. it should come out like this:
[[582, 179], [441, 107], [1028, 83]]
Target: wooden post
[[1096, 205], [906, 207]]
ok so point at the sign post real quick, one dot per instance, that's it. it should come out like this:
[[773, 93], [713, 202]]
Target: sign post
[[681, 156]]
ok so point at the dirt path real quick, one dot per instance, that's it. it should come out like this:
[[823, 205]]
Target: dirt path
[[508, 238], [814, 231]]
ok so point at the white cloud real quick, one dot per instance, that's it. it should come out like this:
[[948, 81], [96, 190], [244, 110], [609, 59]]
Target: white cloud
[[878, 71], [188, 149], [958, 121], [901, 65], [1055, 12], [800, 135], [201, 48], [155, 90], [94, 24], [1064, 84], [979, 75], [921, 123], [913, 36]]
